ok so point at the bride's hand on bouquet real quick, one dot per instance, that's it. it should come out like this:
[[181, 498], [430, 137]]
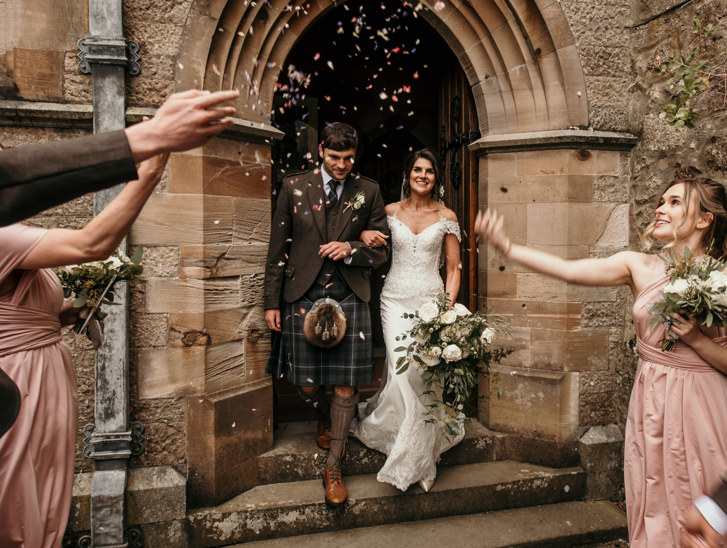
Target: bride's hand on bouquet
[[489, 227], [373, 238]]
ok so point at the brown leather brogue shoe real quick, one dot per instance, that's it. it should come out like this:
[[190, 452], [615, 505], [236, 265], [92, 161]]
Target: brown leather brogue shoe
[[336, 492], [323, 434]]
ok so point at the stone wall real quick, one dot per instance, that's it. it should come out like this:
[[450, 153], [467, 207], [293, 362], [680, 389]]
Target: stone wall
[[197, 325]]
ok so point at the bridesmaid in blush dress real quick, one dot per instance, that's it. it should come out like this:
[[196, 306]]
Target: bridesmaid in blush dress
[[37, 452], [675, 446]]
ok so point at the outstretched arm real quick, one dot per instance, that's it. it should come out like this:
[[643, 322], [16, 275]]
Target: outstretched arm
[[102, 235], [610, 271], [35, 178]]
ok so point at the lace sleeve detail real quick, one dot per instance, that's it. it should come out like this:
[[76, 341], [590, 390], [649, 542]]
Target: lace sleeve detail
[[452, 227]]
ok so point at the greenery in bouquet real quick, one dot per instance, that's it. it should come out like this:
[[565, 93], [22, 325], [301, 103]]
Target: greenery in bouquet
[[697, 288], [92, 284], [452, 347]]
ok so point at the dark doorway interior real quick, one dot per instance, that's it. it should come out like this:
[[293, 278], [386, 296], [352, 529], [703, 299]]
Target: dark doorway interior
[[377, 66]]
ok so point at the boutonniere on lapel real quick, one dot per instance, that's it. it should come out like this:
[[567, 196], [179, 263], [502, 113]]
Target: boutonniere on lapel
[[356, 202]]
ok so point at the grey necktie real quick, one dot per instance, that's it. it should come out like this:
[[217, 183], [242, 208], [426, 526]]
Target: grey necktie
[[332, 192]]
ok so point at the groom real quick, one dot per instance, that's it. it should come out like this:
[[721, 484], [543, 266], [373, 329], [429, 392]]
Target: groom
[[315, 252]]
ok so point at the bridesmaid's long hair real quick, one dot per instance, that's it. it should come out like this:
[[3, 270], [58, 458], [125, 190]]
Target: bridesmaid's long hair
[[427, 154], [709, 197]]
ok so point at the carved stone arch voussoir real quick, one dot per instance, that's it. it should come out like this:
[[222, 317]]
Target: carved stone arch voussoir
[[520, 58]]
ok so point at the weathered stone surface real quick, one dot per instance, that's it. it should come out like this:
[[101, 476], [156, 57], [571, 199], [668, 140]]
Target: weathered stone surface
[[77, 87], [154, 495], [601, 451], [538, 404], [251, 289], [160, 261], [220, 260], [164, 430], [283, 510], [149, 330], [166, 372], [37, 73], [231, 429]]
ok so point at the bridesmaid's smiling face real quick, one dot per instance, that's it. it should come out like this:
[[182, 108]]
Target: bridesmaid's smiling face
[[422, 178], [673, 222]]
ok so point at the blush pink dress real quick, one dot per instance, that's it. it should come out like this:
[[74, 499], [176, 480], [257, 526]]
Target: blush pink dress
[[37, 452], [676, 432]]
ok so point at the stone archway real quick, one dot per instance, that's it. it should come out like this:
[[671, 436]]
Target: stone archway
[[525, 74]]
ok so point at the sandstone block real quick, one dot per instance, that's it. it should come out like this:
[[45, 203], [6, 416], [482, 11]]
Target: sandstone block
[[222, 260], [167, 372], [230, 428], [539, 404], [38, 73], [601, 455]]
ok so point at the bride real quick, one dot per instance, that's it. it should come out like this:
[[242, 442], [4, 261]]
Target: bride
[[397, 419]]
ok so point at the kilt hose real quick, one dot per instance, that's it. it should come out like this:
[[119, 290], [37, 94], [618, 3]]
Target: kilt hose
[[350, 363]]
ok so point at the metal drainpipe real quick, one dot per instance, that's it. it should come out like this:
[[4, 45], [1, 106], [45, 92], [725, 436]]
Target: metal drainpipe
[[109, 440]]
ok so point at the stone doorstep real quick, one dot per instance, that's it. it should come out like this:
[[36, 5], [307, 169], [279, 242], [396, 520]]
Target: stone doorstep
[[295, 508], [553, 525], [296, 456]]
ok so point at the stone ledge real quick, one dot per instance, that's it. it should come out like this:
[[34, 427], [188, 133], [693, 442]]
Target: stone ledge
[[556, 139]]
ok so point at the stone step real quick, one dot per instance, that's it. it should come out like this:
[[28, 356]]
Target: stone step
[[554, 525], [296, 456], [289, 509]]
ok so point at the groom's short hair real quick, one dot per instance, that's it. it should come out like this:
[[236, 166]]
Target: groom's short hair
[[339, 136]]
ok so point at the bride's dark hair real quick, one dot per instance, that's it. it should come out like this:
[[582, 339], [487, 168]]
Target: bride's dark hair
[[427, 154]]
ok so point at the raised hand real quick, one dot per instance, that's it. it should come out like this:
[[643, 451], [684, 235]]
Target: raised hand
[[186, 120], [489, 227]]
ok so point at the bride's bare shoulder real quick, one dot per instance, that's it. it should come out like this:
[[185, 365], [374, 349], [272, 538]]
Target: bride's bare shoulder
[[392, 208]]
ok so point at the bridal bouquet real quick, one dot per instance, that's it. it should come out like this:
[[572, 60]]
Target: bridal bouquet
[[698, 288], [92, 284], [452, 347]]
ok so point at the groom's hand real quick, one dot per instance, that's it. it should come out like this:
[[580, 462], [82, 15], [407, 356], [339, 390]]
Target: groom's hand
[[272, 317], [335, 250]]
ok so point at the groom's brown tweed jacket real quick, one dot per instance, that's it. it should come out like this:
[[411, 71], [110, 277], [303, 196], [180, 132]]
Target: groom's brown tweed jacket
[[300, 227]]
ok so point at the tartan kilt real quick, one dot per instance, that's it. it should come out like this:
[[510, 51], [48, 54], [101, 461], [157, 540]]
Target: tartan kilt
[[350, 363]]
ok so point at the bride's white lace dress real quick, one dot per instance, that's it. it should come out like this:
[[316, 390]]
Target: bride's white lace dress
[[394, 420]]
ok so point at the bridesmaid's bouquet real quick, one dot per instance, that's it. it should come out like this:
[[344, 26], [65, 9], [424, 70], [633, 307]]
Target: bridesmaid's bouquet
[[452, 347], [92, 284], [698, 288]]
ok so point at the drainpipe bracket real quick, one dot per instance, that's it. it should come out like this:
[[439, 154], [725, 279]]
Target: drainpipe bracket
[[113, 445], [108, 51]]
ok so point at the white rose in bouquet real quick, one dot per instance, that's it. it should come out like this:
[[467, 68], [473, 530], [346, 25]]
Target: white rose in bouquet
[[487, 335], [463, 330], [435, 351], [429, 358], [449, 317], [452, 353], [461, 310], [717, 280], [447, 333], [678, 286], [721, 300], [428, 312]]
